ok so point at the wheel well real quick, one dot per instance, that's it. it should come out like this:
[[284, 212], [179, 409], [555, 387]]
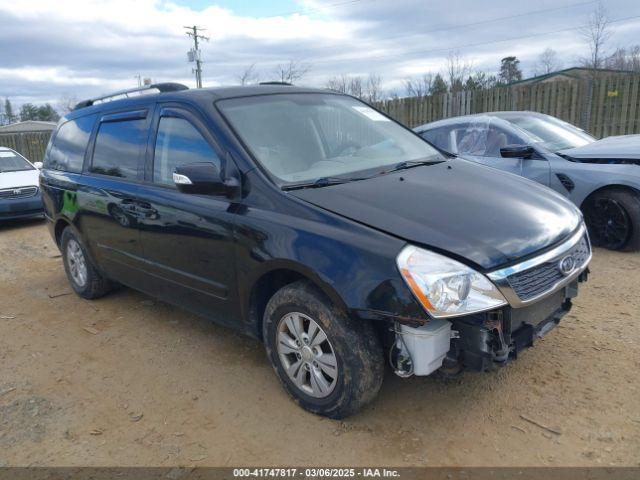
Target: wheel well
[[265, 287], [60, 226], [605, 188]]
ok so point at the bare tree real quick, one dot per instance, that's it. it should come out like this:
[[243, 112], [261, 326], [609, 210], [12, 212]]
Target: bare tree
[[458, 68], [249, 75], [356, 87], [419, 86], [548, 62], [624, 59], [338, 84], [292, 71], [596, 32], [374, 88], [66, 103]]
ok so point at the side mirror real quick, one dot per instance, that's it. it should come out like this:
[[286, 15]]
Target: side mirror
[[204, 178], [517, 151], [38, 165]]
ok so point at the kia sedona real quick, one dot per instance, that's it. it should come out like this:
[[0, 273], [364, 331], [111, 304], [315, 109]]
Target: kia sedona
[[315, 223]]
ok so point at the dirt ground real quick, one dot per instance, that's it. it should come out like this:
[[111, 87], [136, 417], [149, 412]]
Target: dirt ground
[[128, 380]]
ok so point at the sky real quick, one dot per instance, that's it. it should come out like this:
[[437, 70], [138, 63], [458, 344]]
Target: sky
[[51, 50]]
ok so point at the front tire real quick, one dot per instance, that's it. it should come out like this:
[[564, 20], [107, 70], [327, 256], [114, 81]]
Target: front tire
[[331, 365], [84, 277], [613, 219]]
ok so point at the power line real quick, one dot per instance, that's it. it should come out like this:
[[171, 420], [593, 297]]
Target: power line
[[195, 53], [468, 45], [446, 28], [454, 27]]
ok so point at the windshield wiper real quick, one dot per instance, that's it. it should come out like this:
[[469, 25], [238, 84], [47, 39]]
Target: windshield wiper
[[412, 163], [321, 182]]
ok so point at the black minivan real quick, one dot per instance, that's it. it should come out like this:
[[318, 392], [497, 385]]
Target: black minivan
[[310, 220]]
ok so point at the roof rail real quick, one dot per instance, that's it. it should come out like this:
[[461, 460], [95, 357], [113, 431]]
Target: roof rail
[[160, 87], [276, 83]]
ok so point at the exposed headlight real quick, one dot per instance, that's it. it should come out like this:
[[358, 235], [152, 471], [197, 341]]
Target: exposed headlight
[[444, 287]]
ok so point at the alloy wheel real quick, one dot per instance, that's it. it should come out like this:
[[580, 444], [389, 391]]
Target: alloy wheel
[[76, 263], [609, 223], [306, 355]]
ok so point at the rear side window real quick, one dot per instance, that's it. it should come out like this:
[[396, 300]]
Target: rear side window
[[69, 145], [179, 142], [118, 148]]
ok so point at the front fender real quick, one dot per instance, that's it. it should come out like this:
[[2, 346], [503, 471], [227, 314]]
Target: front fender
[[353, 264]]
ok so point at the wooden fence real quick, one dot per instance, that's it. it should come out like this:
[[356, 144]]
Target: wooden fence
[[608, 105], [30, 144]]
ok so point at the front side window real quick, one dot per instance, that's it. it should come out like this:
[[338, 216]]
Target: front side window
[[69, 145], [440, 137], [178, 142], [119, 146], [12, 162], [483, 137], [306, 136], [551, 133]]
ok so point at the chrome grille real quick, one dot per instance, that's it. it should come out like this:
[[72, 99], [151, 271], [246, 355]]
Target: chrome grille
[[18, 192], [535, 281]]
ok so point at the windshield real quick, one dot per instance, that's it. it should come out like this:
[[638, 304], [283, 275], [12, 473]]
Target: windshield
[[10, 162], [551, 133], [306, 137]]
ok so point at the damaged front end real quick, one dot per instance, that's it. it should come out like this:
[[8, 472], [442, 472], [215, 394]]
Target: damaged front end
[[539, 292]]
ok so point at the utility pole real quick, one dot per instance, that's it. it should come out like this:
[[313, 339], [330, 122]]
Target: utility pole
[[194, 55], [139, 77]]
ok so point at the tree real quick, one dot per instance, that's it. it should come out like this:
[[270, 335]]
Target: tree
[[249, 75], [439, 86], [338, 84], [355, 87], [480, 81], [419, 86], [292, 71], [66, 103], [547, 62], [624, 59], [45, 113], [374, 88], [596, 32], [457, 69], [509, 70], [8, 111]]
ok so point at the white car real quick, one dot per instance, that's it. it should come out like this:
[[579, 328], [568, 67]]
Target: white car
[[19, 191]]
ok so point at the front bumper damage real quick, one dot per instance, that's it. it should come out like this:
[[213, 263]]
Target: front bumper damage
[[485, 341], [539, 291]]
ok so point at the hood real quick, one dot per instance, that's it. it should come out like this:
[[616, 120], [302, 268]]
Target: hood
[[23, 178], [476, 213], [619, 147]]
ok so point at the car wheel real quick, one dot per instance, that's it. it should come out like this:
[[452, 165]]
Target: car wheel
[[329, 363], [85, 279], [613, 219]]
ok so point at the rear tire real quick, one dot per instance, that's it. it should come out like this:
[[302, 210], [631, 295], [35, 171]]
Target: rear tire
[[295, 319], [613, 219], [84, 277]]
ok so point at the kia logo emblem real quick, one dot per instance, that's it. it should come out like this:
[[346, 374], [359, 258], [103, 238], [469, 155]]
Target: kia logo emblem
[[567, 265]]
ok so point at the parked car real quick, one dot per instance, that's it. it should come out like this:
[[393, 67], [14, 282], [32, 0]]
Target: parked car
[[602, 177], [19, 192], [311, 221]]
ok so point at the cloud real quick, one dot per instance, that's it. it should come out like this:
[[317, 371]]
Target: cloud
[[90, 47]]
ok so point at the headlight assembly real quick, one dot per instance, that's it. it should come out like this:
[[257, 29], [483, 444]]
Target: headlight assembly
[[445, 287]]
